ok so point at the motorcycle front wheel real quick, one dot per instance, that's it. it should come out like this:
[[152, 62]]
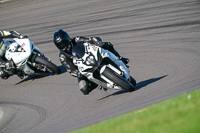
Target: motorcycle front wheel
[[118, 80], [48, 64], [133, 81]]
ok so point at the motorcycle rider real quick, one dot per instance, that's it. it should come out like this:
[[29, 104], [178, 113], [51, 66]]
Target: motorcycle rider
[[65, 44], [5, 65]]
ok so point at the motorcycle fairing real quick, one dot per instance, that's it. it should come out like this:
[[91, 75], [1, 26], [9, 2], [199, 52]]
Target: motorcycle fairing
[[87, 68], [19, 51]]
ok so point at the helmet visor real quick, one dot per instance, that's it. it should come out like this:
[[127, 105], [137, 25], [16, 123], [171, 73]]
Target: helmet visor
[[63, 44]]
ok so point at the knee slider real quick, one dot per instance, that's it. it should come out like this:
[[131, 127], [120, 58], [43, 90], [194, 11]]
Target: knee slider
[[84, 87]]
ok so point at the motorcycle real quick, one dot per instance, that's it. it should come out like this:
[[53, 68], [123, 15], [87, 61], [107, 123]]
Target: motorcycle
[[28, 59], [102, 67]]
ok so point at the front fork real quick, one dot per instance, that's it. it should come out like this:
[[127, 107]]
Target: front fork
[[31, 61], [34, 55], [110, 84]]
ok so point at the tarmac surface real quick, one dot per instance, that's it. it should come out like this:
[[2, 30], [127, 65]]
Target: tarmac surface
[[161, 39]]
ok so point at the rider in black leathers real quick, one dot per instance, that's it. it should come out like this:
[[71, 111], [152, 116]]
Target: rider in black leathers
[[65, 44], [5, 65]]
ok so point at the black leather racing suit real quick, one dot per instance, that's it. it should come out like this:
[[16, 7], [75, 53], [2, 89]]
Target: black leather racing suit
[[85, 85]]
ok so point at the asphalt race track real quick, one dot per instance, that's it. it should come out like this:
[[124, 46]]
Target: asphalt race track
[[161, 38]]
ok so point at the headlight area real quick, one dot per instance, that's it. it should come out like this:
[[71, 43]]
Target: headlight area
[[91, 61]]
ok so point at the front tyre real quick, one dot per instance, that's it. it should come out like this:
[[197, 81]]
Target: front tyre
[[48, 64], [120, 81], [133, 81]]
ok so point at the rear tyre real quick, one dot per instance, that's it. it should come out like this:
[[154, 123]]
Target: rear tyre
[[48, 64], [120, 81]]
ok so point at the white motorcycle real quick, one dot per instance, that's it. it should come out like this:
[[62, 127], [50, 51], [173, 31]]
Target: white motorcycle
[[102, 67], [27, 58]]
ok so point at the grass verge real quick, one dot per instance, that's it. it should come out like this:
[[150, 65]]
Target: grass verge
[[177, 115]]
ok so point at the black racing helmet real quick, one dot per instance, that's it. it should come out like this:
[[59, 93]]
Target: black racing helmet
[[62, 40]]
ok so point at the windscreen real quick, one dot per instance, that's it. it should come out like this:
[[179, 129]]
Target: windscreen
[[78, 50]]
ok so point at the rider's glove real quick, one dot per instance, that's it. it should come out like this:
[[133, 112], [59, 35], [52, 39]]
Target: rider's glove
[[9, 65], [96, 40], [16, 34], [25, 36]]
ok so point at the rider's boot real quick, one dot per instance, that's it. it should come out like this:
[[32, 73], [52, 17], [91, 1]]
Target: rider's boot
[[87, 88], [20, 74], [4, 74]]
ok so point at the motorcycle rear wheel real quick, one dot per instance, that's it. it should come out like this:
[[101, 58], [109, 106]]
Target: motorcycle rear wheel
[[118, 80], [48, 64]]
